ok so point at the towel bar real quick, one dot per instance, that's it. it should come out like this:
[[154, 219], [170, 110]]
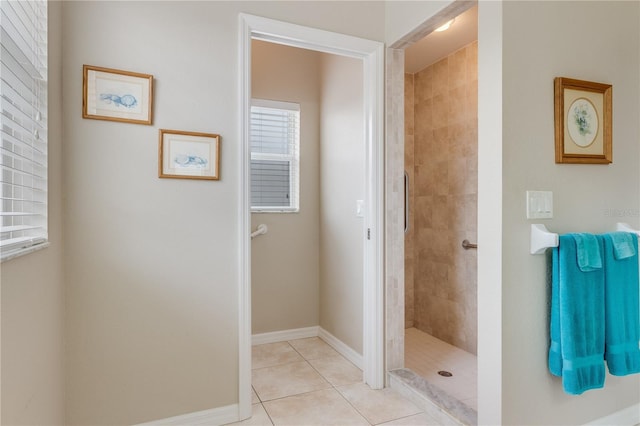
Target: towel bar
[[624, 227], [260, 230], [467, 245], [542, 238]]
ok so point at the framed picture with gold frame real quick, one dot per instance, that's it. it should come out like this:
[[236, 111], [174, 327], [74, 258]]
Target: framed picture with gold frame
[[188, 155], [583, 115], [116, 95]]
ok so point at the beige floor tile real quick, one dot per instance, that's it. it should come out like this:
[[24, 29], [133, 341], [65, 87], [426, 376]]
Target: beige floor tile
[[337, 370], [422, 419], [313, 348], [286, 380], [273, 354], [324, 407], [378, 406], [254, 396], [259, 417]]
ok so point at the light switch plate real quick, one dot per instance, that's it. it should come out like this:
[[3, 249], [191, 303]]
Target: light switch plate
[[539, 204], [359, 208]]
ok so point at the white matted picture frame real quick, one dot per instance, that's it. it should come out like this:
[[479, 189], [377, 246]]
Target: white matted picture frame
[[117, 95], [188, 155], [583, 121]]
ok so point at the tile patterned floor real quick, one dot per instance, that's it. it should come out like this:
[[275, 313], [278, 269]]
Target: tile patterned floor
[[305, 382], [426, 355]]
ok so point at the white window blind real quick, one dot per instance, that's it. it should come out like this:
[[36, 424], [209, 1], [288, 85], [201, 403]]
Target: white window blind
[[23, 101], [275, 156]]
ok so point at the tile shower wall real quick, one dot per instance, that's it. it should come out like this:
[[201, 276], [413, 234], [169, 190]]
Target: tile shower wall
[[409, 246], [441, 159]]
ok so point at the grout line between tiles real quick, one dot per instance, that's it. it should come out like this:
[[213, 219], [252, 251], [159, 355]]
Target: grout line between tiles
[[404, 417], [332, 386], [268, 415], [353, 406]]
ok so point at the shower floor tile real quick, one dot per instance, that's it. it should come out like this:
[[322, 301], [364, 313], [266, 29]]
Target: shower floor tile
[[426, 355]]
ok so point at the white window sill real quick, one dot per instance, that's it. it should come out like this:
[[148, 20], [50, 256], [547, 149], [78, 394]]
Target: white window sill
[[24, 251], [275, 211]]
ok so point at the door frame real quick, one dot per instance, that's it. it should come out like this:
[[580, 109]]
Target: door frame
[[372, 55], [489, 293]]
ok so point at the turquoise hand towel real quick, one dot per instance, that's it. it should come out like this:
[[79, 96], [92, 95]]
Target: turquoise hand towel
[[577, 319], [588, 252], [555, 348], [623, 246], [622, 319]]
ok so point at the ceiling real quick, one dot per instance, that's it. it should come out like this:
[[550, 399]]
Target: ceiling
[[437, 45]]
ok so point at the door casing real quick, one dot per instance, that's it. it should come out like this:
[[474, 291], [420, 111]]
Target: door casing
[[372, 55]]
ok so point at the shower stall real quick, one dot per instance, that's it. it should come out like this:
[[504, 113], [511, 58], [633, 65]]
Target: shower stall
[[441, 159]]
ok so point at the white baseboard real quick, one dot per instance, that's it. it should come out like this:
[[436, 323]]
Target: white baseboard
[[628, 417], [284, 335], [214, 416], [341, 347], [229, 413], [303, 333]]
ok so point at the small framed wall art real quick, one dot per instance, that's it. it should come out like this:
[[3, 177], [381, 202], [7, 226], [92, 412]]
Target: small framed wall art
[[583, 115], [116, 95], [188, 155]]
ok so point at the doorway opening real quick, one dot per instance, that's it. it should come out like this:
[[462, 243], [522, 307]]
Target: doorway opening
[[440, 85], [369, 53]]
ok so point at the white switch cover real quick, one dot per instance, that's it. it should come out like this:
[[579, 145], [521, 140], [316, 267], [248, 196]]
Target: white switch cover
[[539, 204], [359, 208]]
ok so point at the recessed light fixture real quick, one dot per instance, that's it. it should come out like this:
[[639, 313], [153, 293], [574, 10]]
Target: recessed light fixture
[[445, 26]]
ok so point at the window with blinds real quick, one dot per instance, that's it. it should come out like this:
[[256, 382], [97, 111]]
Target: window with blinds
[[23, 101], [275, 156]]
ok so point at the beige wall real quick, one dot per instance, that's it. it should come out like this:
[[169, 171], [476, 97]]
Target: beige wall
[[444, 190], [138, 333], [285, 272], [33, 290], [296, 270], [152, 264], [342, 183], [540, 41]]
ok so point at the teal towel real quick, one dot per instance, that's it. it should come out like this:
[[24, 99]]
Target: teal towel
[[623, 246], [555, 349], [577, 319], [622, 319], [588, 252]]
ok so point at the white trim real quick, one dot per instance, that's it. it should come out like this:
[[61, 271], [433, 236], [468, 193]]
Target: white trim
[[490, 222], [214, 416], [372, 54], [303, 333], [341, 347], [24, 251], [373, 292], [627, 417], [308, 38], [268, 103], [244, 212], [290, 156], [284, 335]]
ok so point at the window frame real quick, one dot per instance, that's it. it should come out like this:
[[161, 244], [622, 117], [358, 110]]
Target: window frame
[[24, 149], [293, 157]]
